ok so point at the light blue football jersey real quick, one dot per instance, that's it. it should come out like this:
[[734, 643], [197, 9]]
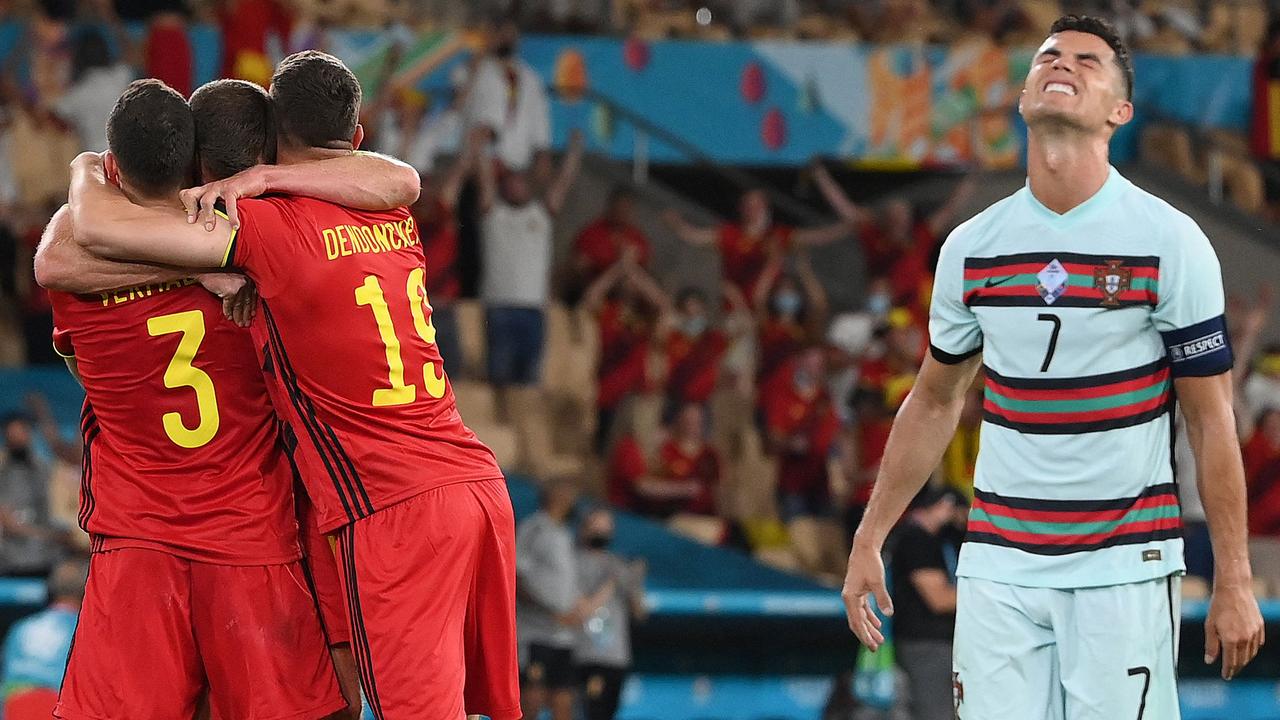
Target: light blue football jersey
[[1083, 320]]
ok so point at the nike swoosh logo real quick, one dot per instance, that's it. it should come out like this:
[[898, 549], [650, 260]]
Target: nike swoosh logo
[[1001, 281]]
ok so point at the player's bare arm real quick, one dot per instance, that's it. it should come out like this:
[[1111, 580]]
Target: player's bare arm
[[61, 264], [921, 432], [106, 224], [1233, 629], [362, 180]]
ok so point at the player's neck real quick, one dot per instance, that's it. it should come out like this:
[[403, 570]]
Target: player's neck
[[168, 200], [288, 155], [1066, 168]]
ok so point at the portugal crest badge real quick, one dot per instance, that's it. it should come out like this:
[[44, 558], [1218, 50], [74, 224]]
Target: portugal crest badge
[[1112, 280]]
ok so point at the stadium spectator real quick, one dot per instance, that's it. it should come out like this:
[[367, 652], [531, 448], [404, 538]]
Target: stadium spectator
[[1263, 447], [548, 607], [97, 79], [30, 544], [801, 428], [896, 244], [791, 312], [745, 246], [436, 214], [629, 306], [601, 242], [614, 590], [167, 52], [1264, 125], [1262, 388], [923, 565], [36, 647], [885, 378], [509, 101], [246, 27], [686, 473], [517, 254], [696, 348], [960, 458]]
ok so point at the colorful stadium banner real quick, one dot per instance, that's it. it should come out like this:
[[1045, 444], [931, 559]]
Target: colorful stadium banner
[[779, 102]]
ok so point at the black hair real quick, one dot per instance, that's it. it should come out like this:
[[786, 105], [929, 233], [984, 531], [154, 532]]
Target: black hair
[[1101, 28], [235, 126], [690, 293], [89, 50], [317, 100], [153, 138]]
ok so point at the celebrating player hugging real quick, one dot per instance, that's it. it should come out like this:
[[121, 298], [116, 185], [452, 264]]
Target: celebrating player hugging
[[197, 585], [1091, 306]]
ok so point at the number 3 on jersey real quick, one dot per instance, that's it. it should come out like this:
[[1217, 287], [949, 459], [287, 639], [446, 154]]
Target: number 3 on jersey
[[370, 294], [181, 373]]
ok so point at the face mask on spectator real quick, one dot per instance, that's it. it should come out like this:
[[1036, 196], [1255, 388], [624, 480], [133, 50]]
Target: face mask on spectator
[[879, 304], [787, 303], [597, 542], [694, 325], [804, 381]]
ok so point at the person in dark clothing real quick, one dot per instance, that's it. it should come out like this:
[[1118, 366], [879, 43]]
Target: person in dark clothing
[[923, 565]]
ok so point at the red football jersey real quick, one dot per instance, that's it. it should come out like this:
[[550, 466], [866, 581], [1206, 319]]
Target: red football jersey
[[601, 243], [743, 257], [693, 365], [181, 449], [345, 336]]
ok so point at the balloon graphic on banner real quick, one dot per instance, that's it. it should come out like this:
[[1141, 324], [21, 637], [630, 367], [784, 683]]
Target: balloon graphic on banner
[[603, 123], [752, 85], [635, 53], [571, 75], [773, 129]]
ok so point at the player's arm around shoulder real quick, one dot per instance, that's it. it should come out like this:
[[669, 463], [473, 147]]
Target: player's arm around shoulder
[[107, 224]]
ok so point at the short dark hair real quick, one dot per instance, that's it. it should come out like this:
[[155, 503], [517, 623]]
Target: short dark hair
[[152, 136], [235, 126], [317, 100], [1100, 28]]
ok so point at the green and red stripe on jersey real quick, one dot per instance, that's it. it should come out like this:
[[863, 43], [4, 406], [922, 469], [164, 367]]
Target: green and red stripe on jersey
[[1071, 406], [1010, 280], [1061, 527]]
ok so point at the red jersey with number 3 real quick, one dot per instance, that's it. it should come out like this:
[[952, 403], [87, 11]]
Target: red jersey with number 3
[[181, 449], [345, 336]]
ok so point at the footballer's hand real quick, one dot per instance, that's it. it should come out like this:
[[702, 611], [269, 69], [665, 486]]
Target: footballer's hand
[[344, 664], [865, 578], [241, 307], [200, 201], [1233, 629]]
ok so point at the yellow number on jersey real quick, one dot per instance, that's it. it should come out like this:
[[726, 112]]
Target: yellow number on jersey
[[181, 373], [370, 293]]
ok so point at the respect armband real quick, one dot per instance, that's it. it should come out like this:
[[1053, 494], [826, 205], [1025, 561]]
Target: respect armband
[[1199, 350]]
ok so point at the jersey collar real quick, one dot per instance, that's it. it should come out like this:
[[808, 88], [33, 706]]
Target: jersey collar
[[1112, 187]]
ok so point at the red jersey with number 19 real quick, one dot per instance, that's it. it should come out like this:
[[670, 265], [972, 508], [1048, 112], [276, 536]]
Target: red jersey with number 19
[[345, 336], [181, 450]]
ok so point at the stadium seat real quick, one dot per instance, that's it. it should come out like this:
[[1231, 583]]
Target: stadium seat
[[477, 402], [819, 545], [757, 477], [705, 529], [469, 315], [32, 704], [501, 439]]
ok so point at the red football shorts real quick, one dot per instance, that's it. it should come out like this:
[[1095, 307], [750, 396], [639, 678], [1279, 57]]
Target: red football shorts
[[431, 587], [156, 630]]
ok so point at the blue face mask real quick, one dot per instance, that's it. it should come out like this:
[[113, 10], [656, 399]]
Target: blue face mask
[[787, 303], [879, 304], [694, 325]]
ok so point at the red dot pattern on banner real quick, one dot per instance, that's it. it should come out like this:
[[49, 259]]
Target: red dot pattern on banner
[[773, 129], [635, 53], [752, 85]]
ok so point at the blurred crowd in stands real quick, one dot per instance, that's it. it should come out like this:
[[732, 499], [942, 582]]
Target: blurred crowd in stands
[[753, 417]]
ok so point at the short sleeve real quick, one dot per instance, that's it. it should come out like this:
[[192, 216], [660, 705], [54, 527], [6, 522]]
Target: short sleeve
[[954, 333], [62, 337], [263, 245], [1190, 305], [916, 551]]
